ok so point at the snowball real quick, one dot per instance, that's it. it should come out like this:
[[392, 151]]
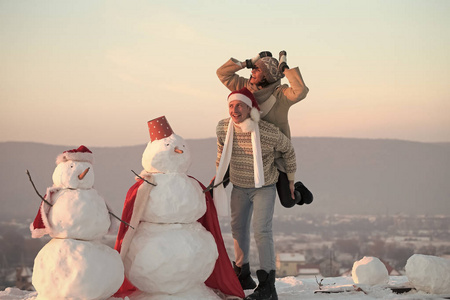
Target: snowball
[[170, 258], [78, 214], [370, 271], [430, 274], [73, 269], [66, 175], [160, 156], [176, 199]]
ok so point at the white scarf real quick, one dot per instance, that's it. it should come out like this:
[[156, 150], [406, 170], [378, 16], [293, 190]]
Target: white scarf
[[221, 200]]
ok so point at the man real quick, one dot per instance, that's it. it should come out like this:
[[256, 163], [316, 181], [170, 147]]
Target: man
[[274, 100], [247, 145]]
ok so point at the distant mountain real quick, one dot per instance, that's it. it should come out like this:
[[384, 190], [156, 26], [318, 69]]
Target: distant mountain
[[354, 176]]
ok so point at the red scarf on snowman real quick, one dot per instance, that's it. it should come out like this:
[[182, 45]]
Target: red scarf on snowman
[[222, 278]]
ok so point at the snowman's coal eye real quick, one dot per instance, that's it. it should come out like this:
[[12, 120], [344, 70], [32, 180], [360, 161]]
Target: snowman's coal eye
[[167, 145]]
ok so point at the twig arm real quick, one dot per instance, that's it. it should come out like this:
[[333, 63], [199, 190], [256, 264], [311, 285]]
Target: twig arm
[[31, 180], [120, 219], [212, 186], [142, 178]]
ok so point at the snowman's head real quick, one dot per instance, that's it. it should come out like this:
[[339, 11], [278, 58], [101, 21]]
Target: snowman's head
[[167, 155], [74, 175]]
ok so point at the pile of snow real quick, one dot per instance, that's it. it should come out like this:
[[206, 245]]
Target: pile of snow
[[430, 274], [292, 288], [370, 271]]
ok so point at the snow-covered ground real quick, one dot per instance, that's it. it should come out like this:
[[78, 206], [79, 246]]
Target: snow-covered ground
[[294, 288]]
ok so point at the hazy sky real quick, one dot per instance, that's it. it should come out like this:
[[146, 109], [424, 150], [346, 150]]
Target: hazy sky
[[94, 72]]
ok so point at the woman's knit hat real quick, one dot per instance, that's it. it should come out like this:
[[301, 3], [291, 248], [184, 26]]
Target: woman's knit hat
[[269, 68]]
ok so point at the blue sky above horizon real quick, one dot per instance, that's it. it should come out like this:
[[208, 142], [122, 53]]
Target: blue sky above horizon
[[94, 72]]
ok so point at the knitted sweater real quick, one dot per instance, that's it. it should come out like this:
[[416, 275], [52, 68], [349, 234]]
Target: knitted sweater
[[241, 164], [285, 96]]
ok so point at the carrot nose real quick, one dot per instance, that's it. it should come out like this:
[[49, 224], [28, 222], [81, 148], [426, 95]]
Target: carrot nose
[[81, 176], [178, 150]]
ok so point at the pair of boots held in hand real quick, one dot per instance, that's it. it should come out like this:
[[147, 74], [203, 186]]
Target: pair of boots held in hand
[[266, 283], [302, 194]]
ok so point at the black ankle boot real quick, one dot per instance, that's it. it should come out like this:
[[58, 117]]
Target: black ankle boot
[[244, 276], [306, 195], [266, 287]]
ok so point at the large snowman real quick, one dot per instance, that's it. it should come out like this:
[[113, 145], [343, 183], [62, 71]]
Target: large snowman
[[170, 255], [74, 264]]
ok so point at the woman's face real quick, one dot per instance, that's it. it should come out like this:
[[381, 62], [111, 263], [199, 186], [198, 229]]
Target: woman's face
[[257, 76]]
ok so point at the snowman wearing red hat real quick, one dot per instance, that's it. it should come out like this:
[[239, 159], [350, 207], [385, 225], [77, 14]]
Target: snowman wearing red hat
[[74, 264], [176, 251]]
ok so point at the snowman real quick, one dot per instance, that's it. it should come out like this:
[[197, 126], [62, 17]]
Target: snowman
[[171, 254], [74, 264]]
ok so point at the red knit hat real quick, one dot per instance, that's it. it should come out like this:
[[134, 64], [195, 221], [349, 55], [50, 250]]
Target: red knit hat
[[82, 153], [247, 97], [159, 128]]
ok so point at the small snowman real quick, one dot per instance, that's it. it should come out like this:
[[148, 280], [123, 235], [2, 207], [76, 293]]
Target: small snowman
[[170, 255], [74, 264]]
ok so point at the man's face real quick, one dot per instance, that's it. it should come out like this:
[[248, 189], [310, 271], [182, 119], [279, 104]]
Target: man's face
[[239, 111], [257, 76]]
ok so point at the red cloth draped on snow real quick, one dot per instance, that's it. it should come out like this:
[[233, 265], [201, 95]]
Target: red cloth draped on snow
[[222, 278], [41, 225]]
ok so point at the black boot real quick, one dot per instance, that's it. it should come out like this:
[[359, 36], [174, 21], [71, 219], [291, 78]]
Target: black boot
[[306, 195], [243, 274], [266, 287]]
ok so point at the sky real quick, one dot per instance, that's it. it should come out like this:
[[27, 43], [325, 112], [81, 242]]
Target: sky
[[94, 72]]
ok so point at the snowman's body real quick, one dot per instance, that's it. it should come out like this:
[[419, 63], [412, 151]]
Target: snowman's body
[[78, 214], [171, 255], [76, 269], [74, 265], [176, 198]]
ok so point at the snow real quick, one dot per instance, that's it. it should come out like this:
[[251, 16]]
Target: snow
[[73, 264], [200, 292], [294, 288], [170, 254], [159, 156], [78, 214], [176, 199], [429, 273], [370, 271], [66, 175], [170, 258], [79, 269]]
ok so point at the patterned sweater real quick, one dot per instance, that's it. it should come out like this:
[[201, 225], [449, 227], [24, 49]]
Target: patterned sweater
[[241, 164]]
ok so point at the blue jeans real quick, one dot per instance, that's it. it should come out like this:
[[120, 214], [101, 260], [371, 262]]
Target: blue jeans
[[260, 203]]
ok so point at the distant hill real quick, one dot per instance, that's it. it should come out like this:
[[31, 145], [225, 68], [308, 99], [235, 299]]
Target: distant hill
[[354, 176]]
